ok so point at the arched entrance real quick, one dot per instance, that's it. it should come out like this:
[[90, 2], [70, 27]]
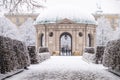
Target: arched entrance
[[41, 40], [65, 44], [89, 40]]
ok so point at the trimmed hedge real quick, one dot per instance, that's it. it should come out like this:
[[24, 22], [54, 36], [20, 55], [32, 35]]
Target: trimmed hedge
[[89, 57], [13, 55], [43, 49], [89, 50], [33, 55], [43, 54], [89, 54], [111, 57], [99, 54]]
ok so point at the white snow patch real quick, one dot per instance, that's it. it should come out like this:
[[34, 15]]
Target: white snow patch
[[65, 68]]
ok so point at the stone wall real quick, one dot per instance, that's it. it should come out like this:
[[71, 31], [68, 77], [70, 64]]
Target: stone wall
[[13, 55]]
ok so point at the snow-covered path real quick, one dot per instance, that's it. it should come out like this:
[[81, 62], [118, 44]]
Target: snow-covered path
[[65, 68]]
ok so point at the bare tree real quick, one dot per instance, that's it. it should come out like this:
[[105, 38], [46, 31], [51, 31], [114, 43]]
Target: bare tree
[[18, 6]]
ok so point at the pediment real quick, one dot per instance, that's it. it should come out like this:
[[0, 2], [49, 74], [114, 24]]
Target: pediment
[[65, 21]]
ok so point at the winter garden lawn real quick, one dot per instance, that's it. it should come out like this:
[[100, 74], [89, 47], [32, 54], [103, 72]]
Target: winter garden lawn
[[65, 68]]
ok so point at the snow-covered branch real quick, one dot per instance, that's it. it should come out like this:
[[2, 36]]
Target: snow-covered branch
[[28, 32], [104, 31], [8, 29], [19, 6]]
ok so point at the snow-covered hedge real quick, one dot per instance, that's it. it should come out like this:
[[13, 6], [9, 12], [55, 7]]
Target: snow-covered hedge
[[89, 57], [89, 50], [13, 55], [99, 54], [43, 54], [111, 57], [33, 55], [89, 54], [43, 49], [94, 54]]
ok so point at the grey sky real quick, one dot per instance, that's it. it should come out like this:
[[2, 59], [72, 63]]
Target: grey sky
[[89, 6]]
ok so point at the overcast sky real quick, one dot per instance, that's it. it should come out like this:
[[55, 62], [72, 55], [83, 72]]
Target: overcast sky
[[88, 6]]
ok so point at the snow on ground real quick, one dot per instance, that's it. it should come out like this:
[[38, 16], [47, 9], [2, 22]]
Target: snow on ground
[[65, 68]]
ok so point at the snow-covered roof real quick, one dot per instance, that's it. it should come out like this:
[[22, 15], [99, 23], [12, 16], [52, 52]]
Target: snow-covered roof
[[54, 14]]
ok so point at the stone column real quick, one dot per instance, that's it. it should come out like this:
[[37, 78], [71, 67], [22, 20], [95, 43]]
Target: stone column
[[37, 41], [56, 42], [73, 41], [37, 38]]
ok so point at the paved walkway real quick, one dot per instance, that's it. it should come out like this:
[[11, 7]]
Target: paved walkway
[[65, 68]]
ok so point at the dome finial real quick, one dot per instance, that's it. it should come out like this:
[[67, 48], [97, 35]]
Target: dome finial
[[99, 9]]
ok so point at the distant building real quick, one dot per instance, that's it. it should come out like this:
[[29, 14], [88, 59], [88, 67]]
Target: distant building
[[51, 30], [19, 19], [65, 32]]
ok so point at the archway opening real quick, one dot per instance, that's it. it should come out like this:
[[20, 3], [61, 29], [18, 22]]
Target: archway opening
[[89, 40], [41, 40], [65, 44]]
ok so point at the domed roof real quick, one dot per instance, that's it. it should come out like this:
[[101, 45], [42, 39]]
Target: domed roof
[[53, 15]]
